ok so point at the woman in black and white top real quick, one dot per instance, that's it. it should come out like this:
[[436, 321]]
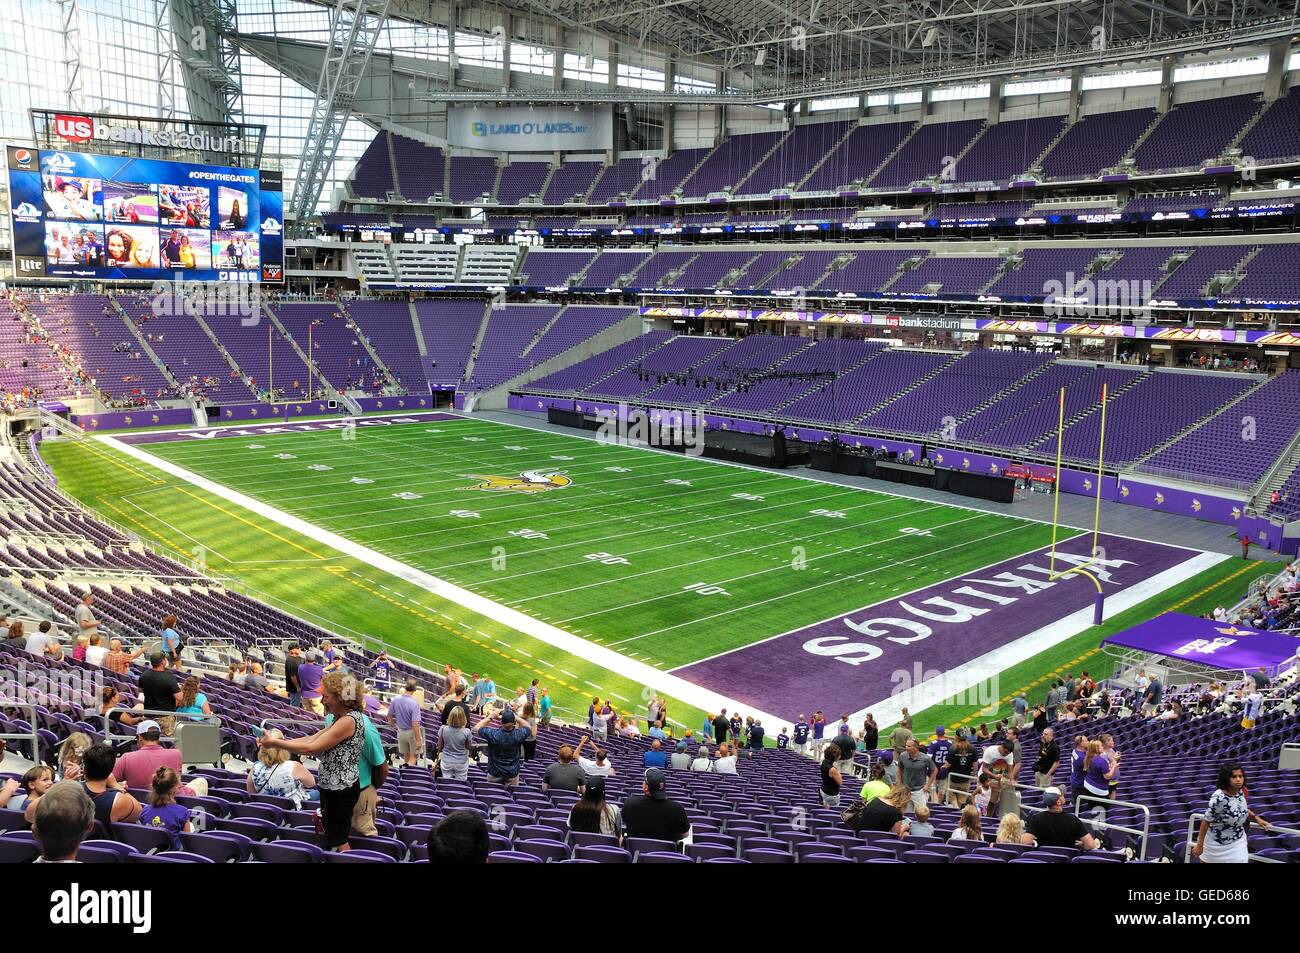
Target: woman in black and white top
[[338, 748], [1222, 838]]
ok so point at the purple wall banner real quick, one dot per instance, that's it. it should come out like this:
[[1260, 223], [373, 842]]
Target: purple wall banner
[[1167, 499], [408, 402], [970, 462], [1207, 642], [846, 663], [122, 420]]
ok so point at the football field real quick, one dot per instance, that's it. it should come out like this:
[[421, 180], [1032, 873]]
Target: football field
[[784, 593]]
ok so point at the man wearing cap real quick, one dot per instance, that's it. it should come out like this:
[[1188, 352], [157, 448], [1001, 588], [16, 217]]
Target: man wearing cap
[[310, 674], [845, 741], [654, 815], [505, 746], [404, 712], [938, 751], [137, 767], [1055, 828], [681, 758]]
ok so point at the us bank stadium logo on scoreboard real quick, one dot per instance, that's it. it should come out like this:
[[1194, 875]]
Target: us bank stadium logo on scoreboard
[[26, 212], [271, 227], [530, 481], [57, 162]]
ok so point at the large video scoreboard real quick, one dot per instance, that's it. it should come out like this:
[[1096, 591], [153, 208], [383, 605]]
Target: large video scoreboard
[[80, 215]]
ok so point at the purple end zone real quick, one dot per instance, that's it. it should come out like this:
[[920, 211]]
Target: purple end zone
[[847, 663], [272, 427]]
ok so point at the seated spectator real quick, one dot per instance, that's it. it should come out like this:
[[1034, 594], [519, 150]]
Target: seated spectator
[[193, 701], [460, 838], [96, 652], [24, 795], [657, 732], [922, 827], [681, 758], [1054, 827], [655, 757], [876, 786], [597, 768], [653, 814], [592, 814], [726, 760], [883, 813], [276, 774], [71, 751], [566, 774], [255, 679], [64, 816], [110, 698], [136, 768], [1010, 830], [163, 813], [112, 804], [118, 660], [702, 760], [79, 649], [968, 826]]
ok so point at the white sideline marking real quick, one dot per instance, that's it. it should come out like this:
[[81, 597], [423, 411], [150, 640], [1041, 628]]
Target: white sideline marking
[[616, 662], [934, 691]]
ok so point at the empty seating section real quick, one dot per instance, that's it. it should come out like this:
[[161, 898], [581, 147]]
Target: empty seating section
[[1190, 279], [724, 370], [487, 264], [621, 178], [955, 391], [109, 354], [1139, 265], [656, 271], [857, 157], [676, 357], [420, 169], [1272, 275], [1277, 133], [575, 325], [449, 328], [1044, 272], [932, 152], [510, 330], [586, 373], [1008, 148], [863, 389], [663, 176], [709, 269], [1038, 392], [757, 269], [1152, 204], [1194, 131], [373, 263], [571, 182], [471, 178], [188, 352], [1216, 451], [1096, 143], [1081, 394], [729, 163], [867, 271], [547, 269], [796, 376], [790, 161], [336, 349], [373, 176], [947, 275], [1153, 410], [802, 270], [519, 180], [610, 267], [427, 263], [387, 326]]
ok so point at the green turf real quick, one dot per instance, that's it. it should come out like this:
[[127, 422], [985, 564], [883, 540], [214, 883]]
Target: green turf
[[619, 555]]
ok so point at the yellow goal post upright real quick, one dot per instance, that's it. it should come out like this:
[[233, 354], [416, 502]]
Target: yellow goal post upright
[[1082, 569]]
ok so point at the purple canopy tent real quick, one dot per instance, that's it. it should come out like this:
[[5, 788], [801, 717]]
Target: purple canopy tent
[[1195, 646]]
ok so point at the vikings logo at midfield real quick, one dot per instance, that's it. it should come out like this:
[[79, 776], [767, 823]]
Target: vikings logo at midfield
[[530, 481]]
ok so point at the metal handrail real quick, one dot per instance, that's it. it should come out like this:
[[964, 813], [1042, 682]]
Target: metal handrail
[[213, 719], [1144, 833], [1191, 834], [31, 736]]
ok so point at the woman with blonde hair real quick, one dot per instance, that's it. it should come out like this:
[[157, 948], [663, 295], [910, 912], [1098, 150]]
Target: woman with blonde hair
[[1010, 830], [882, 813], [338, 748], [274, 773], [968, 827], [74, 746]]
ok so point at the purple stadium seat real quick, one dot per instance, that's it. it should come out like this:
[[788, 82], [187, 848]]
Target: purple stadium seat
[[104, 852], [547, 850], [978, 859], [647, 844], [582, 839], [704, 852], [221, 848], [287, 852], [14, 850], [765, 855], [359, 857], [603, 854], [923, 857], [824, 859], [168, 857], [512, 857], [663, 857], [147, 840]]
